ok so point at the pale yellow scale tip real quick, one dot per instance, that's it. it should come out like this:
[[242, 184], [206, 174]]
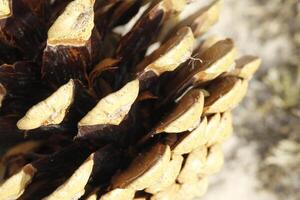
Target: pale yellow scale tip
[[169, 176], [185, 191], [92, 197], [175, 5], [223, 53], [118, 194], [246, 66], [113, 108], [229, 100], [184, 117], [171, 54], [13, 187], [215, 160], [5, 10], [193, 166], [153, 174], [74, 187], [74, 26], [2, 93], [208, 18], [49, 111], [192, 140]]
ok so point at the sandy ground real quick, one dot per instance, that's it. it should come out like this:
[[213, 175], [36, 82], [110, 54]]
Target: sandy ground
[[238, 177], [263, 158]]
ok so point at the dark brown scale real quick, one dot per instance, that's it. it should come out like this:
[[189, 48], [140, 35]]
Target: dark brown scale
[[23, 32]]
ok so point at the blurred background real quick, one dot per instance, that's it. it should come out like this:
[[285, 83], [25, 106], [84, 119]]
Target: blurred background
[[263, 158]]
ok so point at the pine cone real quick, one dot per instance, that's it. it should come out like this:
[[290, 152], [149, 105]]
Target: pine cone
[[110, 99]]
